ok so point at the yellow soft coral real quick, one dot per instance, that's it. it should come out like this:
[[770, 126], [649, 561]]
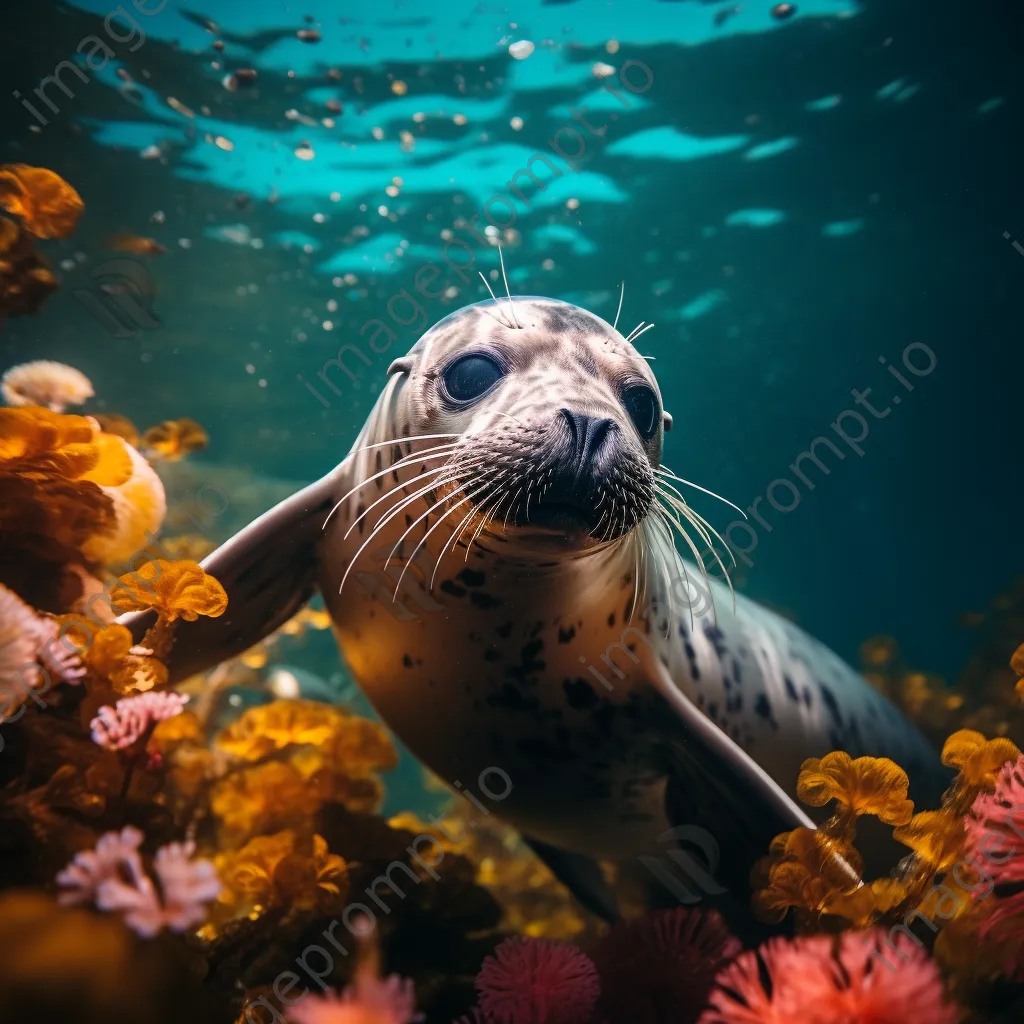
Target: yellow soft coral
[[47, 205], [978, 759], [174, 439], [282, 870], [176, 590], [114, 501], [867, 785]]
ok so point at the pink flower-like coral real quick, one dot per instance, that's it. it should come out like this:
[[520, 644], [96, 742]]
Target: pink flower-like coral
[[995, 842], [123, 725], [369, 1000], [537, 981], [112, 877], [859, 976], [116, 856]]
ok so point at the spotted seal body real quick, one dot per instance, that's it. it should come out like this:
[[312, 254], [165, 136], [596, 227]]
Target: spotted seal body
[[508, 595]]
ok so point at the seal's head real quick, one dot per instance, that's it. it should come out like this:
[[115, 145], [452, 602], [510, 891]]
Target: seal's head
[[559, 419]]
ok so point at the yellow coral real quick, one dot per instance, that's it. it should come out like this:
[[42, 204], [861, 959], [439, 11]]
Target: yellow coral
[[867, 785], [177, 590], [937, 837], [110, 656], [978, 759], [48, 206], [174, 439], [282, 870], [264, 797]]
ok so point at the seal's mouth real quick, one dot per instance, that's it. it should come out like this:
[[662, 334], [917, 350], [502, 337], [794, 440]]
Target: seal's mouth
[[565, 517]]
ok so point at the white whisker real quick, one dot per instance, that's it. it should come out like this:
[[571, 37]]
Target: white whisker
[[622, 295], [508, 291], [665, 471], [495, 297]]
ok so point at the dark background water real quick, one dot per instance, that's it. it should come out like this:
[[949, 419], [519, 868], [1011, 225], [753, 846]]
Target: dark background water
[[925, 524]]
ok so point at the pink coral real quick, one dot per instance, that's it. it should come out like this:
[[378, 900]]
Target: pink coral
[[537, 981], [370, 1000], [995, 828], [659, 968], [116, 855], [116, 728], [860, 976], [112, 877]]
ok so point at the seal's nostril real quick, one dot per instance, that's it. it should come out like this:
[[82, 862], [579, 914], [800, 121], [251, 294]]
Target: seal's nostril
[[587, 434]]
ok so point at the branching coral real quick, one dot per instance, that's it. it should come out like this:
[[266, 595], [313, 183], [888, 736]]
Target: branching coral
[[113, 877]]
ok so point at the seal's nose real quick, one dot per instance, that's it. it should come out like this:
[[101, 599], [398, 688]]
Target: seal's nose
[[588, 436]]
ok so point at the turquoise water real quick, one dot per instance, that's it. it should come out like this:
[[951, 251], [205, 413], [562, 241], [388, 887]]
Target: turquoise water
[[799, 206]]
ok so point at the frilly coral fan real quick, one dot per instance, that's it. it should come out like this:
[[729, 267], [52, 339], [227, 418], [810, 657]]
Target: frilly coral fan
[[112, 876], [537, 981], [659, 968], [859, 977], [47, 383]]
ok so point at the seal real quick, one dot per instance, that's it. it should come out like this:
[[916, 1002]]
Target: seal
[[497, 552]]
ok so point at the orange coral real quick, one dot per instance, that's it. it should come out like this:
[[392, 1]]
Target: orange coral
[[112, 423], [48, 206], [110, 656], [867, 785], [176, 590], [26, 280], [282, 870], [63, 480], [174, 439], [978, 759]]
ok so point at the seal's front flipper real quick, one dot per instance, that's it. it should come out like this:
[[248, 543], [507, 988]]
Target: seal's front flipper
[[724, 807], [269, 572], [581, 875]]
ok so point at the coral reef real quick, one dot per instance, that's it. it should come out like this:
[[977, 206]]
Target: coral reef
[[217, 850]]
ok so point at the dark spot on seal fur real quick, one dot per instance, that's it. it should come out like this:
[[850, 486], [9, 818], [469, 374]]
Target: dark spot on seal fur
[[450, 587], [580, 694], [484, 601], [492, 654], [763, 707], [471, 578], [562, 320], [565, 635], [790, 689], [406, 661], [512, 699], [830, 702], [504, 631]]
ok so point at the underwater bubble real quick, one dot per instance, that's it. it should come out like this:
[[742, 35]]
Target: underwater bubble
[[399, 88], [516, 124], [612, 46], [521, 50]]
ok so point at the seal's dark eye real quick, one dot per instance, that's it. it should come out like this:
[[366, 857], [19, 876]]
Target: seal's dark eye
[[471, 377], [642, 405]]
